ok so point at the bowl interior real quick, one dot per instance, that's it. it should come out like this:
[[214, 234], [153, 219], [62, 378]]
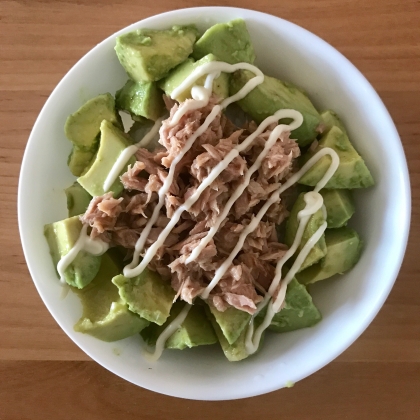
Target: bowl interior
[[348, 304]]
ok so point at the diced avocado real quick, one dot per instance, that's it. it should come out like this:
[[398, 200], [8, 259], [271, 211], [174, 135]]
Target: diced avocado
[[229, 41], [105, 315], [140, 129], [315, 221], [339, 205], [78, 199], [113, 142], [231, 322], [298, 312], [343, 251], [196, 330], [147, 295], [273, 95], [352, 171], [141, 99], [80, 159], [180, 73], [83, 126], [61, 237], [330, 119], [148, 54], [236, 351]]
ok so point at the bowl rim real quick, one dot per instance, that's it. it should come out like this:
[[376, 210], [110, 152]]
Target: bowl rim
[[405, 181]]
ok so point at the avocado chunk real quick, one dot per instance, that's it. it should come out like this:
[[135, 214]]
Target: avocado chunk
[[331, 119], [78, 199], [196, 330], [83, 126], [231, 322], [140, 99], [180, 73], [61, 237], [147, 295], [352, 171], [315, 221], [298, 312], [148, 54], [343, 251], [80, 159], [339, 205], [113, 142], [272, 95], [235, 351], [229, 41], [105, 316]]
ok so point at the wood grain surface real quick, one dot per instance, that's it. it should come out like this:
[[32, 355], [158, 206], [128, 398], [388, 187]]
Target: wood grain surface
[[43, 375]]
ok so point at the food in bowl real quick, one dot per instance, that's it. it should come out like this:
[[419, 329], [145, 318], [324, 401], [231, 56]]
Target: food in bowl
[[217, 217]]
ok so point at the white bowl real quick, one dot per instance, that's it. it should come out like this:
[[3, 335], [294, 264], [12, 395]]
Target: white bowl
[[348, 304]]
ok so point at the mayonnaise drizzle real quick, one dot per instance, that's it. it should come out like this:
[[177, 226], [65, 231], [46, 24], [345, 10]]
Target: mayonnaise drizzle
[[85, 243], [126, 154], [314, 202], [201, 94], [167, 332], [275, 134]]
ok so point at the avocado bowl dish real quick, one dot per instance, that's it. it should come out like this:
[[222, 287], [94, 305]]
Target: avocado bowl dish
[[205, 195]]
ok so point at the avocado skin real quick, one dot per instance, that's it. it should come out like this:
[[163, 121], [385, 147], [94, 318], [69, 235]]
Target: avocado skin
[[61, 237], [339, 205], [140, 99], [315, 221], [181, 72], [298, 311], [148, 55], [83, 126], [104, 315], [196, 330], [352, 171], [147, 295], [272, 95], [344, 248], [78, 199], [229, 41]]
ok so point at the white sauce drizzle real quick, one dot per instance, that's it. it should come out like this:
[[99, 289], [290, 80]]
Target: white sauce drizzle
[[167, 332], [201, 95], [85, 243], [314, 201], [126, 154]]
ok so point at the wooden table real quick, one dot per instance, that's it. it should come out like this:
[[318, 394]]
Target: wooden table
[[43, 375]]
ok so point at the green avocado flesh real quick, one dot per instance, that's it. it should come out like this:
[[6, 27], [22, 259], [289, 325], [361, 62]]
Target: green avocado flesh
[[339, 205], [231, 322], [315, 221], [113, 142], [141, 99], [343, 252], [352, 171], [272, 95], [61, 237], [80, 159], [105, 315], [78, 199], [83, 126], [180, 73], [298, 312], [148, 55], [196, 330], [235, 351], [229, 41], [147, 295]]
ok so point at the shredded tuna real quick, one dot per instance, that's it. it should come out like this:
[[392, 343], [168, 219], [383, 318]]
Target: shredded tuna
[[121, 221]]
